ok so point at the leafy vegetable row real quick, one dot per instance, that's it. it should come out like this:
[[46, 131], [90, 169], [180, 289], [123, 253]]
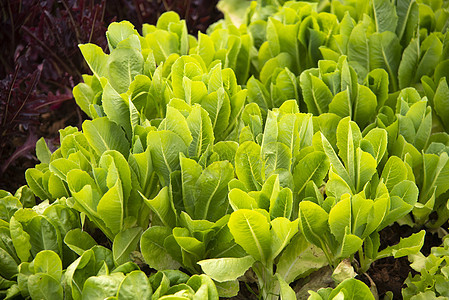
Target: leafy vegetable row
[[241, 149]]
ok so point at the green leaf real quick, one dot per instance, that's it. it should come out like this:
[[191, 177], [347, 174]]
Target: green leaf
[[282, 60], [111, 208], [124, 65], [8, 206], [9, 286], [206, 48], [419, 59], [299, 259], [119, 31], [349, 245], [279, 40], [226, 269], [95, 58], [352, 289], [163, 207], [62, 166], [394, 172], [193, 249], [48, 262], [79, 241], [175, 122], [203, 286], [135, 286], [117, 108], [258, 93], [165, 147], [248, 165], [153, 249], [377, 81], [276, 156], [251, 231], [441, 102], [282, 205], [286, 291], [212, 190], [365, 106], [34, 178], [359, 48], [436, 174], [406, 246], [84, 97], [218, 106], [377, 139], [43, 235], [44, 286], [124, 243], [190, 172], [282, 231], [403, 198], [185, 66], [8, 266], [239, 199], [42, 151], [313, 222], [408, 14], [341, 104], [25, 196], [118, 168], [290, 131], [163, 44], [228, 289], [334, 160], [321, 96], [385, 15], [202, 132], [340, 218], [101, 287], [348, 140], [313, 167], [104, 135], [385, 52], [226, 150], [366, 168], [20, 239]]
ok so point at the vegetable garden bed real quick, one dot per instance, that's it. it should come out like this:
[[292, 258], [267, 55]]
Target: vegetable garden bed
[[302, 154]]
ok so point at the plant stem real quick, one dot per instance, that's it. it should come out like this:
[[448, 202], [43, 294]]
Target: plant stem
[[328, 257], [266, 282], [364, 262]]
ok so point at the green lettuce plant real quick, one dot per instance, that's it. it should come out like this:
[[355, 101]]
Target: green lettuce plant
[[240, 149], [295, 31], [263, 240], [431, 281], [157, 74], [25, 232], [360, 200], [397, 38], [348, 289], [96, 174], [263, 221], [228, 45], [334, 88], [416, 136]]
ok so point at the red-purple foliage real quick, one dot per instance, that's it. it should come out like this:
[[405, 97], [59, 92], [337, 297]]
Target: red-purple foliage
[[40, 61]]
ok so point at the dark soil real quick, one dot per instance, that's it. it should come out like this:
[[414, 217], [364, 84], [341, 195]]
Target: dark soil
[[248, 291], [389, 273]]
